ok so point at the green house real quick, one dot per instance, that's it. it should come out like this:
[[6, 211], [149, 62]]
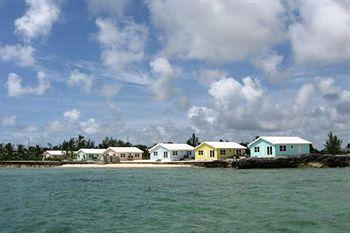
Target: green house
[[269, 146]]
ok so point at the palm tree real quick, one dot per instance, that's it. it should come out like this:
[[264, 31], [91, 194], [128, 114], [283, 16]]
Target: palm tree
[[193, 140]]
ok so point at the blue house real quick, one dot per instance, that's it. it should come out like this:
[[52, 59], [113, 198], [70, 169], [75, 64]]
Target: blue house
[[279, 146]]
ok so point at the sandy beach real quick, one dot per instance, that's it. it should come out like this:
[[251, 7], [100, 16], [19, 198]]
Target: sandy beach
[[124, 165]]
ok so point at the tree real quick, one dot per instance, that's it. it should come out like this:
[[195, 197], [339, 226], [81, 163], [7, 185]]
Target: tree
[[193, 140], [333, 144]]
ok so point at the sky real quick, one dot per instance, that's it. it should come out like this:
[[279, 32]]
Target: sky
[[155, 71]]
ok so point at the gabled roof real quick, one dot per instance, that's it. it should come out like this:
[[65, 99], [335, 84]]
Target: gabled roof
[[125, 149], [224, 145], [282, 140], [173, 146], [92, 151], [55, 152]]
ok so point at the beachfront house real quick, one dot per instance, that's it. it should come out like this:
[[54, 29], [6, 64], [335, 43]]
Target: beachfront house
[[53, 154], [123, 153], [218, 150], [90, 155], [170, 152], [269, 146]]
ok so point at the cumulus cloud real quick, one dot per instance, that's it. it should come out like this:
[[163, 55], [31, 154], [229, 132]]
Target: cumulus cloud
[[122, 46], [218, 31], [38, 19], [15, 87], [270, 65], [9, 121], [71, 115], [90, 126], [321, 36], [79, 79], [18, 54], [319, 105], [162, 85]]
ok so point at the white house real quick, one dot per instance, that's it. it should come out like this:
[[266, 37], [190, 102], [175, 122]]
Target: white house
[[170, 152], [90, 155], [53, 154], [124, 153]]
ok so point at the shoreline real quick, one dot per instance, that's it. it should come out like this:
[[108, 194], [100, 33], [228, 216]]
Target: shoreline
[[124, 165]]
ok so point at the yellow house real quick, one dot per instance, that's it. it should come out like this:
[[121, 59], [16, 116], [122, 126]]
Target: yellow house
[[218, 150]]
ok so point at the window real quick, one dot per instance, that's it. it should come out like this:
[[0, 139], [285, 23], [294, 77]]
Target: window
[[155, 153], [223, 152], [188, 152], [122, 155], [283, 147], [136, 155], [200, 152], [165, 154], [238, 152], [175, 152], [212, 153], [291, 147], [256, 149]]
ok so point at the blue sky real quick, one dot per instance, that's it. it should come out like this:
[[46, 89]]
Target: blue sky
[[160, 70]]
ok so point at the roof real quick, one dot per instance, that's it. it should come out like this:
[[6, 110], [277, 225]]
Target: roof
[[55, 152], [173, 146], [125, 149], [92, 151], [282, 140], [224, 145]]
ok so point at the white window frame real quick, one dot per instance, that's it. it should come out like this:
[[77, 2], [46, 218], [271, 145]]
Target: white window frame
[[283, 148], [175, 153], [200, 152], [165, 154], [155, 153], [256, 149], [222, 152]]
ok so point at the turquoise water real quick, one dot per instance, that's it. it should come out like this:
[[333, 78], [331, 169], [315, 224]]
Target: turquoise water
[[174, 200]]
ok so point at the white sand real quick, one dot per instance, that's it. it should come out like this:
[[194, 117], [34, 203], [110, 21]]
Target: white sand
[[124, 165]]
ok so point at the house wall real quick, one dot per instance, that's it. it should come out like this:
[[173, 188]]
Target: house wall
[[171, 156], [262, 144], [229, 153], [290, 151], [123, 156], [81, 156]]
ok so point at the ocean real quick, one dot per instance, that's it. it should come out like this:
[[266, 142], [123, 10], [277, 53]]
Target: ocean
[[174, 200]]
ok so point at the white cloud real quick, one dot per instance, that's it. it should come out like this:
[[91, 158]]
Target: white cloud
[[38, 19], [20, 55], [9, 121], [15, 88], [249, 108], [218, 31], [208, 76], [114, 8], [79, 79], [90, 126], [71, 115], [110, 90], [270, 65], [54, 126], [31, 129], [162, 86], [122, 46], [321, 36]]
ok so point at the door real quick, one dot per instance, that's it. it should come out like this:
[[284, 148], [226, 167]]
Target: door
[[269, 150], [299, 150]]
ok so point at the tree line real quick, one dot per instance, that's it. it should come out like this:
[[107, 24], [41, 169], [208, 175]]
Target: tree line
[[10, 151]]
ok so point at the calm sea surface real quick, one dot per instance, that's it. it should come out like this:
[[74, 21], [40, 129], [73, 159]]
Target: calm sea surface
[[174, 200]]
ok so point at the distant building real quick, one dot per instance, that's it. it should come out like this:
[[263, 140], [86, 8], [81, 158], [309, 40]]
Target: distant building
[[218, 150], [53, 154], [269, 146], [170, 152], [123, 153], [90, 154]]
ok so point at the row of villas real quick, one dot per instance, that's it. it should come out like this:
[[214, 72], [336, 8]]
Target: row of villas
[[266, 146]]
